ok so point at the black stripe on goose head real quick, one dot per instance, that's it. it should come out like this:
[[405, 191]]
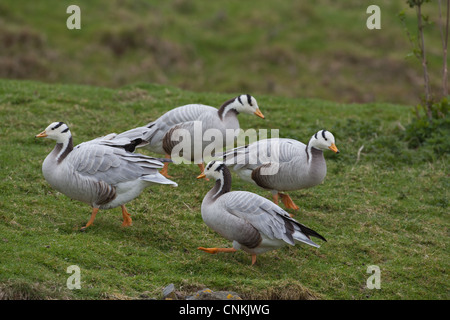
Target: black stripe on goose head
[[220, 167], [249, 100], [323, 134], [58, 125], [210, 165]]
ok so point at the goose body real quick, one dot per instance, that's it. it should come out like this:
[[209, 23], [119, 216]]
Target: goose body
[[254, 224], [282, 164], [104, 172], [163, 134]]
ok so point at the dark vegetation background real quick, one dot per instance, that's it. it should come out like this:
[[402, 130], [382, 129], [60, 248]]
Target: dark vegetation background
[[319, 49]]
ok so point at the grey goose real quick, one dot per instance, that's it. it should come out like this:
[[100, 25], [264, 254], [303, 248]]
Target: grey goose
[[254, 223], [161, 133], [104, 173], [296, 166]]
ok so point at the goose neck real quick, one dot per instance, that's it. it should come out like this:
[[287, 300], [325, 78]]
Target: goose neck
[[62, 149], [228, 109], [312, 152], [222, 186]]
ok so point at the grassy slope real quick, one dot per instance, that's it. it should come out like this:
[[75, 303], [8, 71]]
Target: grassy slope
[[289, 48], [389, 209]]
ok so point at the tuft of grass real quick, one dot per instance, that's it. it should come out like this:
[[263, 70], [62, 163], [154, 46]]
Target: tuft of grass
[[382, 205], [24, 290]]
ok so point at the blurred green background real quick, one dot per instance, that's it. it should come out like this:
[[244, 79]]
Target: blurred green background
[[306, 49]]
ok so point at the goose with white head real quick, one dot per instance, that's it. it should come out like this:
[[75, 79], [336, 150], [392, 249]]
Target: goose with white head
[[296, 165], [161, 134], [254, 224], [103, 173]]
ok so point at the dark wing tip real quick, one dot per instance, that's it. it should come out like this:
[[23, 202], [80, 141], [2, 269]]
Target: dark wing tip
[[132, 145], [311, 233]]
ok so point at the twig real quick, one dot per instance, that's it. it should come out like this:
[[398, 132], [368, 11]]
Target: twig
[[424, 61], [444, 39], [399, 125], [358, 156], [187, 205]]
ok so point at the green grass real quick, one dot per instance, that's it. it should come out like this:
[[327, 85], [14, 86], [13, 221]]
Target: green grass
[[389, 208], [306, 49]]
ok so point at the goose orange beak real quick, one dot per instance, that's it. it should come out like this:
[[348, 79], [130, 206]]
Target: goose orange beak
[[201, 176], [43, 134], [333, 148], [259, 113]]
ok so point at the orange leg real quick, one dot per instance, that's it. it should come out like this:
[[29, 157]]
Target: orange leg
[[215, 250], [91, 220], [287, 201], [253, 259], [165, 169], [126, 217]]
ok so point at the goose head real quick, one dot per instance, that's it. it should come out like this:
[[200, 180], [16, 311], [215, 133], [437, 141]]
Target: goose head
[[214, 170], [323, 140], [218, 171], [57, 131], [247, 104], [244, 103]]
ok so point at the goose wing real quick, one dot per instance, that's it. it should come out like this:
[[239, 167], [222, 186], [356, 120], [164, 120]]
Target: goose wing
[[200, 132], [263, 151], [111, 161], [144, 133], [268, 218], [189, 112], [156, 130]]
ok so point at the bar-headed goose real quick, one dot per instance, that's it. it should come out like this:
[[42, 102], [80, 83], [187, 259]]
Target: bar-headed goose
[[283, 164], [165, 133], [103, 173], [254, 223]]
